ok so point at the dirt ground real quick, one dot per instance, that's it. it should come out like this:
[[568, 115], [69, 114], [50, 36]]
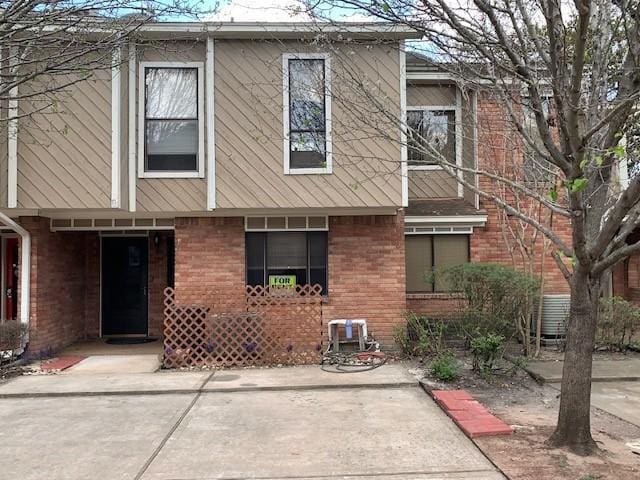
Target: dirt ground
[[532, 410]]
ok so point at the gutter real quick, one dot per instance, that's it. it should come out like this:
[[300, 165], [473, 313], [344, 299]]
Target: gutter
[[25, 270]]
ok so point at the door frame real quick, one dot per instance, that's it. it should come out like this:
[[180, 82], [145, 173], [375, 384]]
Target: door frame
[[120, 235], [3, 266]]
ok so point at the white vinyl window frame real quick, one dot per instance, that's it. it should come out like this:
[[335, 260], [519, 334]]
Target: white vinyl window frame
[[142, 173], [456, 131], [327, 109]]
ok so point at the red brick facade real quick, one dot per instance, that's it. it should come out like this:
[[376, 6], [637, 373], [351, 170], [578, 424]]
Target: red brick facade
[[58, 276], [365, 267]]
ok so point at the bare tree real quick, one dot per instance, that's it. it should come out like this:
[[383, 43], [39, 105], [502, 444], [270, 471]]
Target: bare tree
[[48, 45], [584, 58]]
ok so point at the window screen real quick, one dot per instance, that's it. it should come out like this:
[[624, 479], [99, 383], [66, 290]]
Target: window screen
[[432, 136], [171, 119], [307, 115], [427, 255], [419, 263]]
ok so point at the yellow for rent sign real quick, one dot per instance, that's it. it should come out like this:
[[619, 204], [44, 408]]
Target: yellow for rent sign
[[282, 281]]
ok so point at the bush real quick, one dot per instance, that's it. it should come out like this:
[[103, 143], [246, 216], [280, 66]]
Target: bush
[[498, 300], [486, 349], [12, 337], [422, 336], [618, 321], [445, 367]]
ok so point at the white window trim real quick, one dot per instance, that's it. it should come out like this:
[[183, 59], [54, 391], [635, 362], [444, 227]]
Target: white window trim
[[116, 88], [439, 108], [404, 171], [201, 120], [327, 108]]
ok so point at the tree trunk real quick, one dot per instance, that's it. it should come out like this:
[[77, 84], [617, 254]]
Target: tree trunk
[[574, 421]]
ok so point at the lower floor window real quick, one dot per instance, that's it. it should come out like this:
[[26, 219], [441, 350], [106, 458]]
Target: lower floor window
[[281, 258], [426, 255]]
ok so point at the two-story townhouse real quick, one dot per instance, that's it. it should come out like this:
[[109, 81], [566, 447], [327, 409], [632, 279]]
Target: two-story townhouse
[[216, 156]]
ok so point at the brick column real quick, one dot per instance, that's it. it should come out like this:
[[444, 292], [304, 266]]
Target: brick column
[[210, 261], [367, 272]]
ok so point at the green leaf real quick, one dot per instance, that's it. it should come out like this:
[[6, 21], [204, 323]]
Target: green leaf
[[618, 151], [553, 195], [598, 160], [584, 163], [385, 7], [578, 184]]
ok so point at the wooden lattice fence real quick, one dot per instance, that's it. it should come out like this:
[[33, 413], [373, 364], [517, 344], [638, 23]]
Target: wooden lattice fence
[[269, 327]]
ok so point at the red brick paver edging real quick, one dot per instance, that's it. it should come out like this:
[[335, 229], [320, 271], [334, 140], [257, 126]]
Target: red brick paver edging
[[61, 363], [470, 415]]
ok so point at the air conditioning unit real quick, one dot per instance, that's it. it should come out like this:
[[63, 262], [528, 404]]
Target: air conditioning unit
[[555, 316]]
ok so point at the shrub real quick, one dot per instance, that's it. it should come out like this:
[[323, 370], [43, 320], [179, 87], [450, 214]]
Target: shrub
[[422, 336], [498, 300], [618, 321], [12, 337], [486, 349], [445, 367]]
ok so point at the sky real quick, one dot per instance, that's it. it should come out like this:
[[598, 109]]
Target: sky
[[273, 11]]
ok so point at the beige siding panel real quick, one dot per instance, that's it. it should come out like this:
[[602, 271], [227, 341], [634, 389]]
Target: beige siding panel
[[172, 194], [430, 95], [64, 153], [431, 184], [249, 130]]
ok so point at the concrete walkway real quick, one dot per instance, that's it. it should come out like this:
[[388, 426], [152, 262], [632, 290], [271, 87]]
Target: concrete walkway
[[293, 423], [603, 370]]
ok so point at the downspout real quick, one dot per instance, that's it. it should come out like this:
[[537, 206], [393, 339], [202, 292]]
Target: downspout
[[25, 271]]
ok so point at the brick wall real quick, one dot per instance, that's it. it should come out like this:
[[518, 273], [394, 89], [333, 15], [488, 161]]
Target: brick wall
[[92, 292], [367, 272], [366, 267], [157, 281], [210, 260], [57, 286]]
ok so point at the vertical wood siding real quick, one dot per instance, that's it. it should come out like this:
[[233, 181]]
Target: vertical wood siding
[[249, 128], [64, 153]]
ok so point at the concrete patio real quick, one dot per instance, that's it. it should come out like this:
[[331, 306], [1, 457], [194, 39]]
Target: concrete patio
[[295, 423], [603, 370]]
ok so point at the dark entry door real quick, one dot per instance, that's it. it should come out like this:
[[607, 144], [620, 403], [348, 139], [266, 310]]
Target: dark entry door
[[124, 285]]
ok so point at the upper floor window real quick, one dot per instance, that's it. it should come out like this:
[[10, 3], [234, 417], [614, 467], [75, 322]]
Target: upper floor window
[[307, 114], [432, 137], [172, 121]]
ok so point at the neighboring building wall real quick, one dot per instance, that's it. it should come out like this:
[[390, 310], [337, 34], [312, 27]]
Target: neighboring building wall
[[500, 152]]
